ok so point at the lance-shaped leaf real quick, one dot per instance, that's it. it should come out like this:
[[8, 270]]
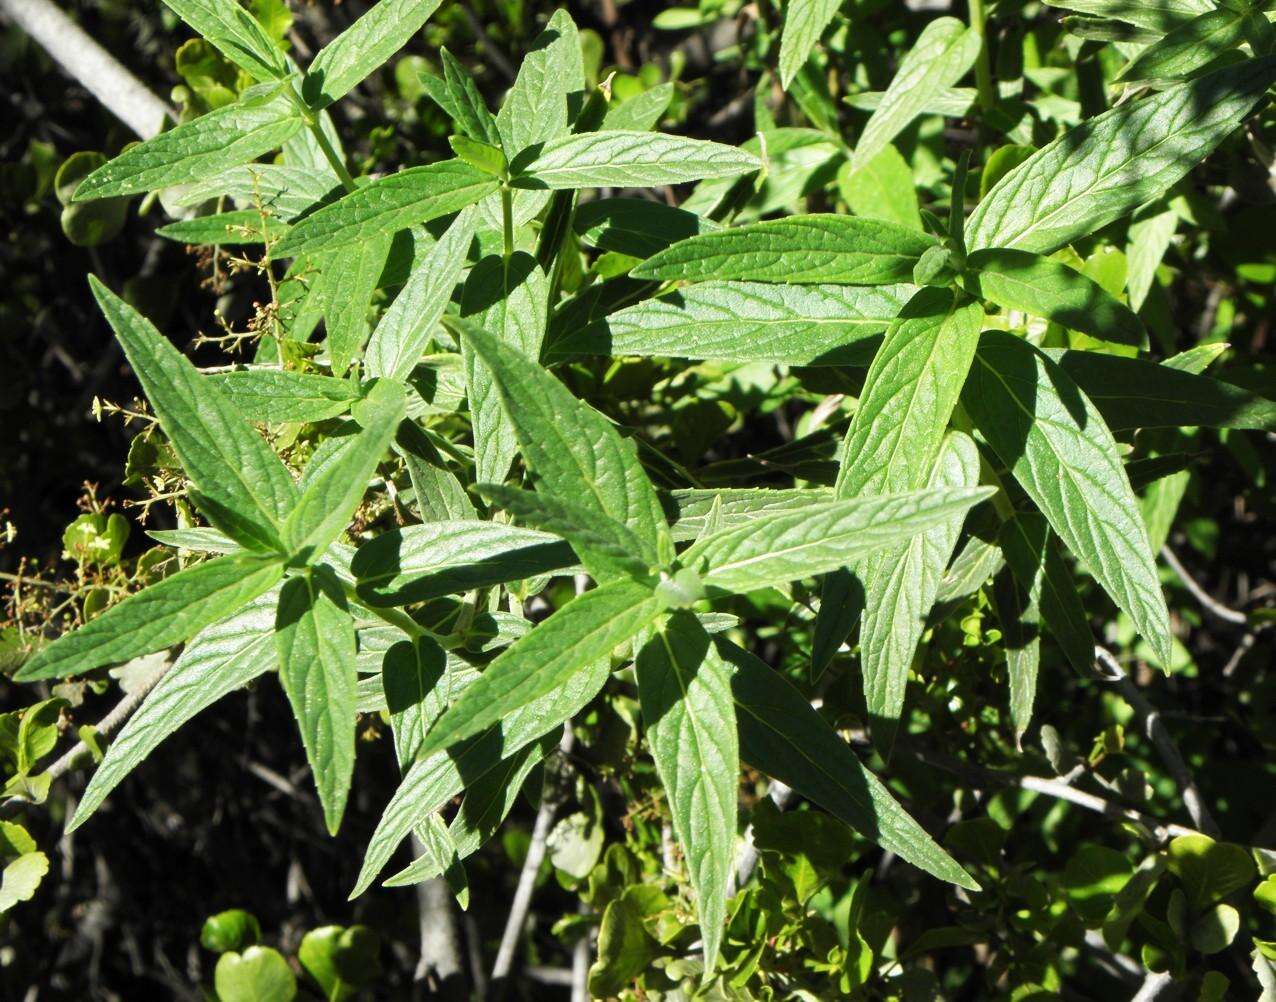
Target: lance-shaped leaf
[[467, 107], [417, 690], [235, 33], [900, 586], [785, 737], [1020, 280], [435, 779], [691, 511], [1034, 558], [391, 203], [332, 494], [242, 226], [1060, 450], [806, 250], [277, 396], [942, 55], [883, 188], [363, 47], [1108, 166], [240, 483], [573, 450], [220, 659], [1187, 47], [636, 226], [909, 394], [578, 635], [285, 192], [405, 328], [685, 690], [487, 802], [747, 322], [193, 151], [536, 108], [443, 558], [508, 298], [345, 287], [804, 23], [314, 636], [639, 113], [789, 545], [1019, 616], [630, 160], [606, 547], [1138, 393], [168, 612]]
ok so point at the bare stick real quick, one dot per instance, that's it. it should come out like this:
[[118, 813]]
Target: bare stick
[[1154, 728], [1208, 602], [121, 93], [440, 959], [527, 878]]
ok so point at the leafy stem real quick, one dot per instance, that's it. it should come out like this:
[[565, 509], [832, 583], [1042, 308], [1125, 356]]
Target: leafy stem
[[987, 95]]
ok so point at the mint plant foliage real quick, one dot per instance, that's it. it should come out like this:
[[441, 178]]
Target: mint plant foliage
[[995, 384]]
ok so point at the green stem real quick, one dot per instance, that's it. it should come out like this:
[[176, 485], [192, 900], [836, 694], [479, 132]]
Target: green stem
[[987, 94], [394, 617], [311, 118], [507, 219]]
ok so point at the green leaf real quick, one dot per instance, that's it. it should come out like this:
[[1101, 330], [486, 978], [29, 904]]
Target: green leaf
[[435, 779], [882, 188], [1057, 446], [259, 974], [233, 929], [909, 394], [637, 227], [605, 546], [1214, 931], [173, 609], [801, 250], [943, 54], [691, 729], [486, 157], [285, 192], [331, 496], [468, 109], [508, 298], [900, 586], [804, 23], [239, 482], [276, 396], [391, 203], [782, 735], [406, 326], [581, 633], [346, 284], [1187, 47], [629, 160], [640, 113], [1209, 871], [1092, 879], [1019, 280], [443, 558], [536, 108], [789, 545], [697, 511], [1019, 616], [196, 150], [220, 659], [747, 322], [21, 878], [1107, 167], [573, 450], [342, 961], [362, 48], [625, 948], [243, 226], [416, 692], [314, 636], [235, 33], [487, 802], [1138, 393], [1034, 558]]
